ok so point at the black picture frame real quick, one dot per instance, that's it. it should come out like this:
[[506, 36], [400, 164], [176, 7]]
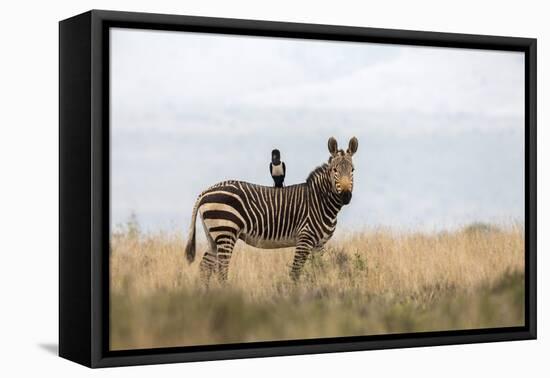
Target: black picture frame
[[84, 187]]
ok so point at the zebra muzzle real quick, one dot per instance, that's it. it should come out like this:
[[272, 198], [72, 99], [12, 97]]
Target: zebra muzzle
[[346, 197]]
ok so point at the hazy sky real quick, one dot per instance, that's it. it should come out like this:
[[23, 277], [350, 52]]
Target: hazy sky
[[441, 140]]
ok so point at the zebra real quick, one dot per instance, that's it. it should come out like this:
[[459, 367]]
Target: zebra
[[301, 216]]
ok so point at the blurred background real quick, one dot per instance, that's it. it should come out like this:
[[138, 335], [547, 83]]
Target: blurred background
[[441, 131]]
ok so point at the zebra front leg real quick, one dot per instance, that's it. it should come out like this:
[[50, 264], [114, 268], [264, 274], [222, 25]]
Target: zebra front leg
[[303, 249], [318, 251], [225, 247]]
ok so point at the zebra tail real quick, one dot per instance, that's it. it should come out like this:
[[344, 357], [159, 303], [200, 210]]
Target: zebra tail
[[190, 247]]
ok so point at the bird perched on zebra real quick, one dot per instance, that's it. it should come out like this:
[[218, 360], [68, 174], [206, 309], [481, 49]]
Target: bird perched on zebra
[[301, 216], [277, 168]]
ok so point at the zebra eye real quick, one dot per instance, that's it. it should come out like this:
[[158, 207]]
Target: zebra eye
[[334, 170]]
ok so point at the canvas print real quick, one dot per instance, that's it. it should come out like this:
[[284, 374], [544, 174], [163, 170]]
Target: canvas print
[[267, 189]]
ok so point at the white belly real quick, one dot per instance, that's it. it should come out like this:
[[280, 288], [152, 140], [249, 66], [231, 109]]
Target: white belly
[[277, 170], [268, 244]]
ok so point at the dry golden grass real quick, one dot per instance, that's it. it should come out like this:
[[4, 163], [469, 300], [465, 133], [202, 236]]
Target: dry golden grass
[[374, 282]]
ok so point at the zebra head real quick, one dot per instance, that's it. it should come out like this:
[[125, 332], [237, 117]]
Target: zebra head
[[340, 167]]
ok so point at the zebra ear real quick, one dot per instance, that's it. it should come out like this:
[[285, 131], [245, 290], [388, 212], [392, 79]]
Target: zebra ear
[[332, 146], [352, 147]]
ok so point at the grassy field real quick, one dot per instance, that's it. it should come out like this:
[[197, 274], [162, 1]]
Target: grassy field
[[373, 282]]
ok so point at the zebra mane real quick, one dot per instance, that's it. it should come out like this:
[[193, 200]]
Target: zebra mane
[[316, 172]]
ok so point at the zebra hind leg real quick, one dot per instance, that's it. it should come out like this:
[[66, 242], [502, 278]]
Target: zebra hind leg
[[225, 245], [208, 266], [209, 262]]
